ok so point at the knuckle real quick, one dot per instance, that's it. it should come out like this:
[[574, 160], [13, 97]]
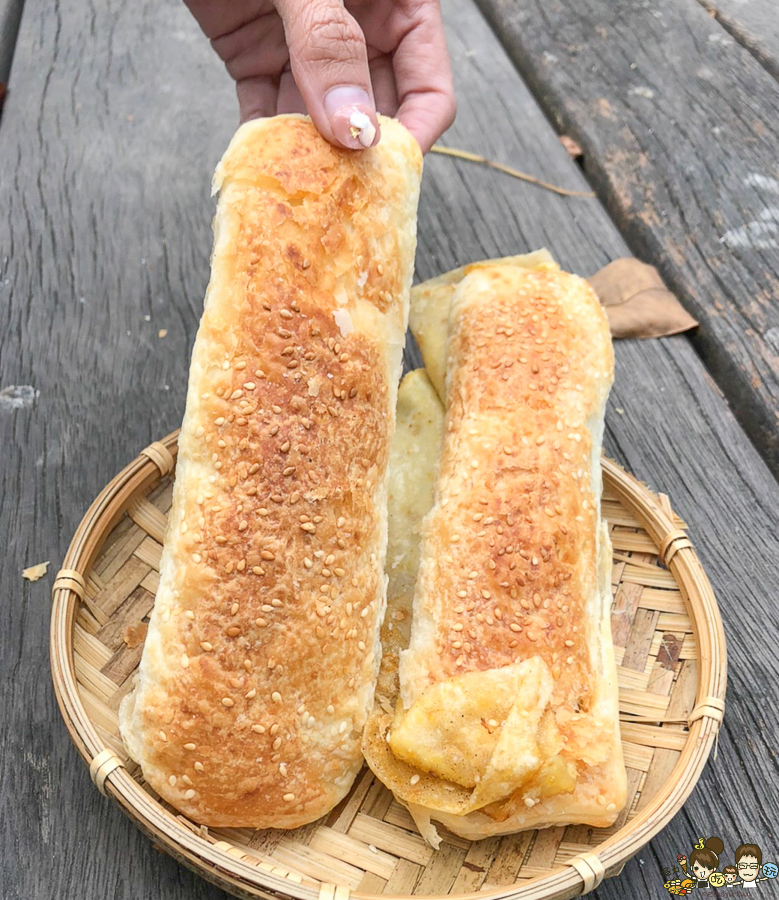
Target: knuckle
[[331, 32]]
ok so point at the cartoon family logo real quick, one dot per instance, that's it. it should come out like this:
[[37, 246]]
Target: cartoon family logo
[[700, 871]]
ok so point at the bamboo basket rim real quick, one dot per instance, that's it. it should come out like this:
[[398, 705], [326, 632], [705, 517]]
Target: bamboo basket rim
[[578, 875]]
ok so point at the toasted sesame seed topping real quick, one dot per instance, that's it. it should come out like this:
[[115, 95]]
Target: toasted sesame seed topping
[[289, 797], [184, 660], [163, 736], [207, 646], [198, 766], [414, 779], [189, 746], [227, 701], [276, 697], [189, 794], [258, 729]]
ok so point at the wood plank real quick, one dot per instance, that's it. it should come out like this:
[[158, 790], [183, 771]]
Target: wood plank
[[754, 24], [678, 124], [117, 211]]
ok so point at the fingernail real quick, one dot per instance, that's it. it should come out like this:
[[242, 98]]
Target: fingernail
[[352, 117]]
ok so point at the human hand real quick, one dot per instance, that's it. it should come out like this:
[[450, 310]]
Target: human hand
[[335, 59]]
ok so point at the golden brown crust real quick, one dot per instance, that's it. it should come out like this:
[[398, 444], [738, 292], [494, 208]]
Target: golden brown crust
[[512, 571], [513, 532], [263, 644]]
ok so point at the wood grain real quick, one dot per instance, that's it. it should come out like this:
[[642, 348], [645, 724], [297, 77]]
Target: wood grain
[[754, 24], [116, 117], [678, 123]]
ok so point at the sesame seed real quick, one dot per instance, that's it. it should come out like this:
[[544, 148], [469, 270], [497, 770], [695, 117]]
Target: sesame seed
[[276, 697], [569, 643], [414, 779], [189, 614], [258, 729], [172, 780], [198, 766], [267, 554], [184, 660], [207, 646], [163, 736], [189, 746], [233, 609], [242, 526], [226, 701], [289, 797], [233, 631], [189, 794], [258, 570]]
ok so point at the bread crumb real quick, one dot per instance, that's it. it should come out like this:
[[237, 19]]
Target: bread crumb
[[135, 634], [33, 573]]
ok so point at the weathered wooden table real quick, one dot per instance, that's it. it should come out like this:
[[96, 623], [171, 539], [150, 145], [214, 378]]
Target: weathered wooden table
[[116, 115]]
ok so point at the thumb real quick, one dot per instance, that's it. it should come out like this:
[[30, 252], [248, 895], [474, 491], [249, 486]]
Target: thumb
[[329, 63]]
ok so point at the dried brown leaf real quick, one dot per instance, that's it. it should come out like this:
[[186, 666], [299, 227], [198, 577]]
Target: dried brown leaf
[[637, 302]]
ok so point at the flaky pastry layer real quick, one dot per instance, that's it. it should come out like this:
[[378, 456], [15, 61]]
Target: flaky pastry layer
[[263, 646], [508, 714]]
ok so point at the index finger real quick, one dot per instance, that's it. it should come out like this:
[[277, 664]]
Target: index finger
[[424, 78]]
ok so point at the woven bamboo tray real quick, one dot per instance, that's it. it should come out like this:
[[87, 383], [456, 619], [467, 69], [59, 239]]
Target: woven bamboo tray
[[670, 650]]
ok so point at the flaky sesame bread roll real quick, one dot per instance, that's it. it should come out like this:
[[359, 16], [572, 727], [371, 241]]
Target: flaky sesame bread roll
[[507, 714], [263, 646]]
